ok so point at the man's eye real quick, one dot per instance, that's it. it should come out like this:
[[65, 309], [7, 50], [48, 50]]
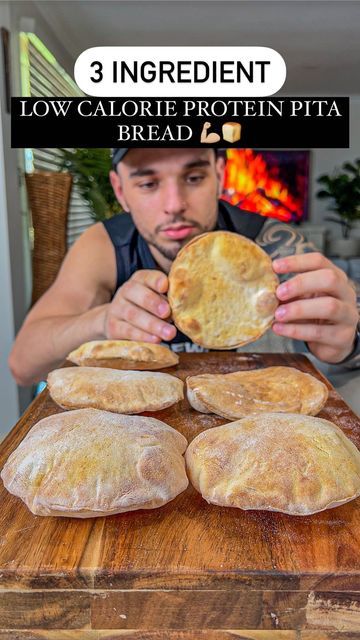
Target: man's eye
[[147, 185], [195, 178]]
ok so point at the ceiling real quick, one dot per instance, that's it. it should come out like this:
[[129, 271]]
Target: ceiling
[[319, 40]]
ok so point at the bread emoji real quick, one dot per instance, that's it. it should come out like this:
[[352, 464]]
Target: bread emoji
[[231, 131]]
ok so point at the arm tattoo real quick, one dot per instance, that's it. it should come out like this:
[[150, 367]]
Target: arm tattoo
[[280, 240]]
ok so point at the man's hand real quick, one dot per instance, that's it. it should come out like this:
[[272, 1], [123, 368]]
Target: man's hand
[[318, 305], [139, 309]]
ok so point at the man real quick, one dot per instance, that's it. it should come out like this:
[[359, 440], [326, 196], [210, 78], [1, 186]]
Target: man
[[113, 281]]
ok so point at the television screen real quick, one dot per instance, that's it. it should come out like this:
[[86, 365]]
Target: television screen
[[272, 183]]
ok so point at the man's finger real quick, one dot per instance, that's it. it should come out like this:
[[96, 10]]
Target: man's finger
[[317, 282], [152, 278], [303, 262], [319, 333], [145, 298], [323, 308], [121, 330], [145, 321]]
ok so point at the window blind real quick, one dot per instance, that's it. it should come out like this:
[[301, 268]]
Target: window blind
[[42, 76]]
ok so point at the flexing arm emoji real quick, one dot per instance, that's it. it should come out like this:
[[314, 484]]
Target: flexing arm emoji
[[210, 138]]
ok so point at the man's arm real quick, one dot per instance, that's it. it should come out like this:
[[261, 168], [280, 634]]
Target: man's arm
[[70, 312], [318, 304], [279, 240], [78, 308]]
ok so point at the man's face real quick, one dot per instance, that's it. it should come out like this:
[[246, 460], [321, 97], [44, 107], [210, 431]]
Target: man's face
[[172, 194]]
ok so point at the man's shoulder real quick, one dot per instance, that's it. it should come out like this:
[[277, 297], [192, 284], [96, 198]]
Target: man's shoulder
[[279, 239], [94, 237], [92, 253], [120, 228], [244, 222]]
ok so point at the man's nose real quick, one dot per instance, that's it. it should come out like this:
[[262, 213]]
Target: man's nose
[[174, 202]]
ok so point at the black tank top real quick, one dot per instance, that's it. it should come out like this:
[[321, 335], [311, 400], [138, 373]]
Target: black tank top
[[132, 251]]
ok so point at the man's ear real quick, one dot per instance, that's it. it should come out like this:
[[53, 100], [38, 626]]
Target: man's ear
[[118, 190], [220, 172]]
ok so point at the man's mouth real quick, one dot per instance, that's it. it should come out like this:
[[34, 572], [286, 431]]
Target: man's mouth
[[177, 232]]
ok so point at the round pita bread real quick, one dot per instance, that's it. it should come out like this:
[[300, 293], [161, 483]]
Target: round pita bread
[[239, 394], [91, 463], [275, 462], [113, 390], [123, 354], [222, 290]]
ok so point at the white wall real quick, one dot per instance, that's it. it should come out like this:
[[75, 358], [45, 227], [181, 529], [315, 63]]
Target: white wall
[[15, 267], [25, 13], [9, 401], [11, 260], [325, 161]]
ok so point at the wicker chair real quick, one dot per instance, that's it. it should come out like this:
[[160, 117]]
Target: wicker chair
[[49, 195]]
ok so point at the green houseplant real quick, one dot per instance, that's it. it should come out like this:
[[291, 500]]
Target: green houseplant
[[343, 188], [90, 170]]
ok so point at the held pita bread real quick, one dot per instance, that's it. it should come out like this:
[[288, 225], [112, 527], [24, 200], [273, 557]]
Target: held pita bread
[[89, 463], [113, 390], [276, 462], [123, 354], [222, 290], [236, 395]]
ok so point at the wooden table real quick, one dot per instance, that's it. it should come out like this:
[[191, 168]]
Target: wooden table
[[187, 569]]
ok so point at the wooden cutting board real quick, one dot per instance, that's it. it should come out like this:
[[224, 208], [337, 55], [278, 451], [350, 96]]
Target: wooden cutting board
[[196, 570]]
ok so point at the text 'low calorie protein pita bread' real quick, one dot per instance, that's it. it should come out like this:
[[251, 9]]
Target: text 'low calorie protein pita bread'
[[89, 463], [276, 462], [222, 290], [123, 354], [272, 389], [114, 390]]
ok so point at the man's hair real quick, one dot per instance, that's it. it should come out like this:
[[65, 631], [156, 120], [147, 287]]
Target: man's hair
[[118, 154]]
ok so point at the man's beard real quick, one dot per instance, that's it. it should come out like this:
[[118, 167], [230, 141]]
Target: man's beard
[[171, 252]]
